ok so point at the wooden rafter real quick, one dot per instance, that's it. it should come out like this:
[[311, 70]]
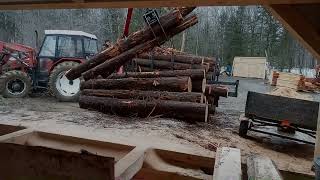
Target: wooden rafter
[[302, 21], [52, 4]]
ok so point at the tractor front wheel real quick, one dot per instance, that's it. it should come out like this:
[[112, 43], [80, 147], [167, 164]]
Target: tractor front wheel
[[63, 89], [15, 84]]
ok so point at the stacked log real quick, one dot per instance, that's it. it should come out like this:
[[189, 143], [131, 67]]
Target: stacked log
[[166, 93], [165, 59], [175, 87], [128, 107], [173, 84]]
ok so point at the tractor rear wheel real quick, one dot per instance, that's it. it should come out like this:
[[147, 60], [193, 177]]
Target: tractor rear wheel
[[15, 84], [63, 89]]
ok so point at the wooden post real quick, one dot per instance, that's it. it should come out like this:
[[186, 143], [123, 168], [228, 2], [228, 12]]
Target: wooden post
[[317, 146]]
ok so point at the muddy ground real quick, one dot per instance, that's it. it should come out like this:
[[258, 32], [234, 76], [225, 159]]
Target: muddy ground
[[46, 114]]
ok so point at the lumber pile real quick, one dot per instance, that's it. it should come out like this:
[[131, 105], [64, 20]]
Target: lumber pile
[[296, 82]]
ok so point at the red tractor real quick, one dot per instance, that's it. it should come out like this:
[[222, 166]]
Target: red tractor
[[23, 71]]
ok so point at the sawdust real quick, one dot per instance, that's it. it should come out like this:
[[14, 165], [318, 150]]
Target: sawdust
[[291, 93]]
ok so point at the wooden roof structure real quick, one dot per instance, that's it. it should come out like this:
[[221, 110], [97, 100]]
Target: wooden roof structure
[[300, 17]]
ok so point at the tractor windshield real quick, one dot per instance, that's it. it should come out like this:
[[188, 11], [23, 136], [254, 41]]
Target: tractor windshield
[[90, 46]]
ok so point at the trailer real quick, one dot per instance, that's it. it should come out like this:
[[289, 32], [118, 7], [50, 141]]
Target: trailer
[[287, 115]]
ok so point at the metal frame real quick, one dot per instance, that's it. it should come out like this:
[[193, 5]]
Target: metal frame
[[236, 84], [151, 17], [263, 122]]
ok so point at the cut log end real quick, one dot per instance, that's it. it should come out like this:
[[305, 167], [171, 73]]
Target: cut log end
[[206, 117], [204, 83], [189, 85]]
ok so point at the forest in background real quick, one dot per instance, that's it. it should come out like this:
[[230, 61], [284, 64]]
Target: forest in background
[[222, 32]]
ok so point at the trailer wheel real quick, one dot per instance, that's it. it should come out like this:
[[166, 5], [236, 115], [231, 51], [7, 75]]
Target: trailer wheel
[[62, 88], [15, 84], [243, 129]]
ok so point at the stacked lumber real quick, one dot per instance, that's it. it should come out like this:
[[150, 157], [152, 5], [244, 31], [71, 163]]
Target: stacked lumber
[[290, 80], [144, 94], [296, 82]]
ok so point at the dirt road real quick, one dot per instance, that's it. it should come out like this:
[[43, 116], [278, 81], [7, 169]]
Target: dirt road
[[46, 114]]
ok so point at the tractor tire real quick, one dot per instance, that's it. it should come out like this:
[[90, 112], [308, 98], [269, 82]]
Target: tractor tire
[[243, 129], [60, 87], [15, 84]]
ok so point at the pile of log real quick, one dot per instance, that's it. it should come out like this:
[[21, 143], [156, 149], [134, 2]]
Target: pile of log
[[170, 59], [174, 92]]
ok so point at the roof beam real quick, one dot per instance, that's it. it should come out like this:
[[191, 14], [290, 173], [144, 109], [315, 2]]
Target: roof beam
[[302, 21], [56, 4]]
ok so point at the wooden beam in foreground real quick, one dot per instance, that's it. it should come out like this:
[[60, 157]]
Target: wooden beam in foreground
[[227, 164], [29, 162], [262, 168], [54, 4], [302, 21]]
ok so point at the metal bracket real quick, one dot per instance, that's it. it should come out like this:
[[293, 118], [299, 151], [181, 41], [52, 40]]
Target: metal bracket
[[151, 18], [236, 84]]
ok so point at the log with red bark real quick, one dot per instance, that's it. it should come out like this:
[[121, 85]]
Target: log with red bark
[[168, 65], [108, 67], [146, 95], [199, 85], [169, 20], [172, 84], [192, 73], [188, 111], [216, 90]]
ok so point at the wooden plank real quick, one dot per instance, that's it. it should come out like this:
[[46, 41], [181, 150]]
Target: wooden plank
[[29, 162], [130, 165], [50, 4], [262, 168], [299, 112], [286, 75], [227, 164]]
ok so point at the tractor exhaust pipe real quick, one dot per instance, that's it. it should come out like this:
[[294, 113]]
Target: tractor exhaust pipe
[[37, 40]]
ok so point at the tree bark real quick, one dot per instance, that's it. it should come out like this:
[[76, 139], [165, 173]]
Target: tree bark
[[106, 68], [172, 84], [142, 108], [183, 41], [199, 85], [216, 90], [168, 65], [146, 95], [194, 74], [146, 69], [168, 20], [189, 59]]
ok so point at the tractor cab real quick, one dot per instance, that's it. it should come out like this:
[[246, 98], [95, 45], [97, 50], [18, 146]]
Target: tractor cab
[[68, 44], [61, 50]]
